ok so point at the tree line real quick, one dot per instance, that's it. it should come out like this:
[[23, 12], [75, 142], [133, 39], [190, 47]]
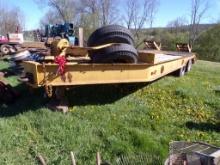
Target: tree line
[[91, 14], [134, 14]]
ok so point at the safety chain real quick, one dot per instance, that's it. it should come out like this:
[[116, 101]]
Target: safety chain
[[48, 88]]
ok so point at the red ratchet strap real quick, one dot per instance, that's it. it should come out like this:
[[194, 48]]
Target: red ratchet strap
[[61, 61]]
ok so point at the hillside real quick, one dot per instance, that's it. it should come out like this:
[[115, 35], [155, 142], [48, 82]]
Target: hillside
[[29, 35], [201, 27], [115, 120]]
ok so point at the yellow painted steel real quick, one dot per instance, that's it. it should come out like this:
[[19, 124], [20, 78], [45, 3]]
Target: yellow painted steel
[[83, 74]]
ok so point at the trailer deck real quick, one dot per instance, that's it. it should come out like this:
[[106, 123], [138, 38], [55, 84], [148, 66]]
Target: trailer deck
[[152, 65]]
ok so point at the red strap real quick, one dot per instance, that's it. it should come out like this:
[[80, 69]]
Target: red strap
[[61, 61]]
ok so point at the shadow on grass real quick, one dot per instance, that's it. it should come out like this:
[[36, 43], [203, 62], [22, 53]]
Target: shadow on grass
[[101, 94], [27, 101], [11, 71], [80, 96], [204, 126], [7, 72]]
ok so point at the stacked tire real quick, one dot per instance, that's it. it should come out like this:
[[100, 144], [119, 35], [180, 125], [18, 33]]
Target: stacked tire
[[122, 51]]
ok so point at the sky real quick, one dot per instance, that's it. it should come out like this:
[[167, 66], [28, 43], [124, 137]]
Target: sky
[[168, 10]]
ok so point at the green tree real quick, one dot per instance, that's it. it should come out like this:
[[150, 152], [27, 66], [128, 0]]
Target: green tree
[[207, 45]]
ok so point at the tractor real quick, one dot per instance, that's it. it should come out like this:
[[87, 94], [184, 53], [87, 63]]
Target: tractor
[[59, 31]]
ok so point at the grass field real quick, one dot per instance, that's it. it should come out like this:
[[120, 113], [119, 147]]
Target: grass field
[[115, 120]]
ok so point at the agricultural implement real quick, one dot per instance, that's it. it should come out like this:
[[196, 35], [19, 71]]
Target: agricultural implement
[[104, 62]]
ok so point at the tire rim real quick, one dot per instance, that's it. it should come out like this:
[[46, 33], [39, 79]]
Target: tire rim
[[5, 50], [183, 71], [189, 66]]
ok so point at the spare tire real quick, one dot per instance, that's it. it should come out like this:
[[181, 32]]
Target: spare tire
[[111, 34], [118, 53]]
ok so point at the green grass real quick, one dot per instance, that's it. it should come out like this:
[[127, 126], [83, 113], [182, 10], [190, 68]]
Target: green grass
[[115, 120]]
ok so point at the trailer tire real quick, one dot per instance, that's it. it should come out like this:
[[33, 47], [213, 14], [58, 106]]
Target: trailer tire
[[111, 34], [5, 49], [119, 53], [189, 66], [180, 72]]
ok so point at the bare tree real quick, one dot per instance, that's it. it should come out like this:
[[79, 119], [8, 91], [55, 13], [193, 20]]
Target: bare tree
[[65, 10], [90, 6], [153, 7], [104, 10], [138, 14], [129, 16], [51, 17], [90, 14], [11, 20], [108, 11], [178, 25], [96, 13], [198, 10]]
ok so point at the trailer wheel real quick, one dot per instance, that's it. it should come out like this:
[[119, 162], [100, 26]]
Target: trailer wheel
[[111, 34], [5, 49], [119, 53], [180, 72], [189, 66]]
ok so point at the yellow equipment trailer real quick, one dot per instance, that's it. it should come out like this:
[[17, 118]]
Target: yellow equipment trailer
[[152, 65], [110, 59]]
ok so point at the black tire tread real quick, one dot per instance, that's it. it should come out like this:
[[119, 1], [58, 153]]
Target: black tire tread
[[122, 53], [101, 35], [114, 39]]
